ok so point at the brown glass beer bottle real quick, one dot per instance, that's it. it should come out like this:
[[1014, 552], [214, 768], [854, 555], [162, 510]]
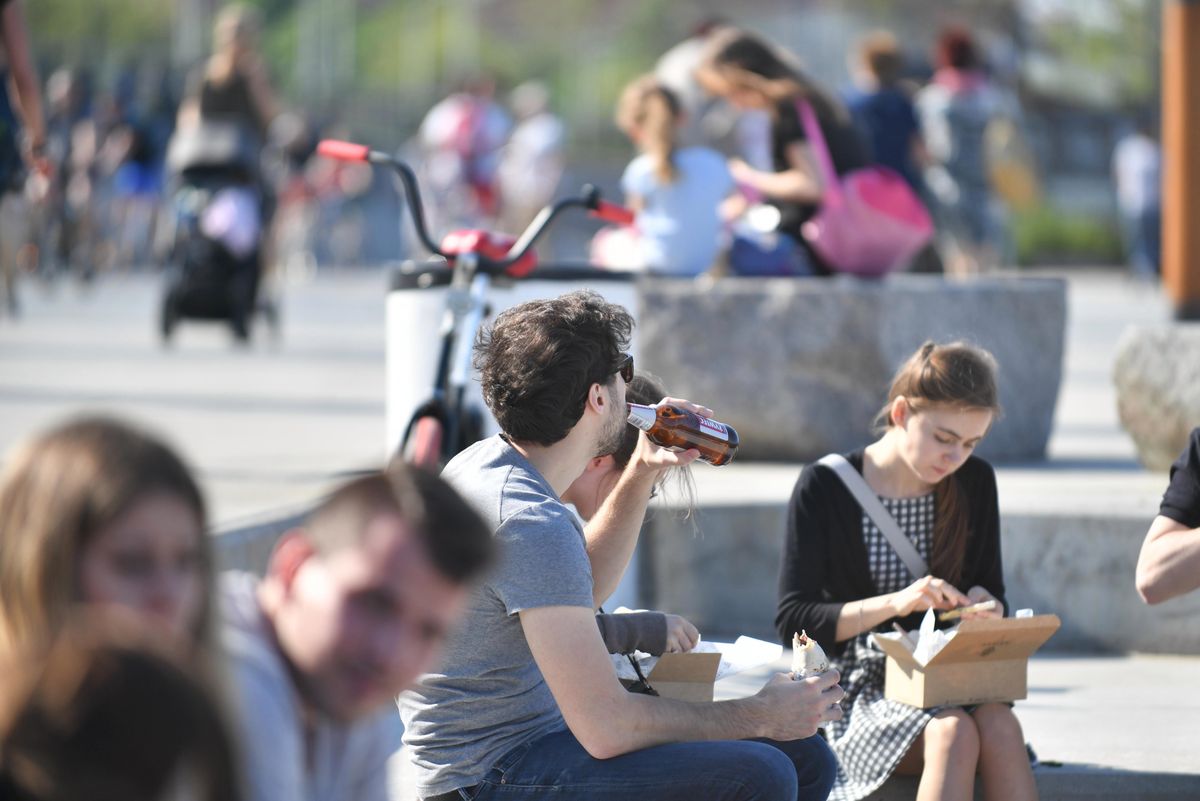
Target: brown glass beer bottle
[[673, 427]]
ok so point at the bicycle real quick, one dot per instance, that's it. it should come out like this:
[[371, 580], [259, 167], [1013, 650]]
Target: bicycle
[[445, 424]]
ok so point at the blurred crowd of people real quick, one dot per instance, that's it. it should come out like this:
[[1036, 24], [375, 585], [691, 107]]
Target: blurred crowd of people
[[733, 93], [943, 124], [104, 178], [97, 172]]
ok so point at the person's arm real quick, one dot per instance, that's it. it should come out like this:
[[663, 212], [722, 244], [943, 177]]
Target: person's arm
[[261, 93], [613, 531], [654, 633], [984, 573], [797, 184], [24, 79], [609, 721], [1169, 563], [807, 560]]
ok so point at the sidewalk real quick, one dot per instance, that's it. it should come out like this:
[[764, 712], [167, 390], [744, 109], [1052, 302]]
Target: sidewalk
[[1135, 713]]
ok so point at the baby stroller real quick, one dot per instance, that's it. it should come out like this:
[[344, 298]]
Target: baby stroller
[[213, 229]]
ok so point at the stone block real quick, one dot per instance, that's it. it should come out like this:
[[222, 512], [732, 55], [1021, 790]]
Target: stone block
[[1157, 378], [801, 366], [720, 567]]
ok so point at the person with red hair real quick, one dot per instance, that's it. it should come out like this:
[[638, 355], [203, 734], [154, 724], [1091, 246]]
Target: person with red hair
[[955, 110]]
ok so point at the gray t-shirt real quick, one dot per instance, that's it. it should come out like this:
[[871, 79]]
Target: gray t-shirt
[[341, 762], [488, 696]]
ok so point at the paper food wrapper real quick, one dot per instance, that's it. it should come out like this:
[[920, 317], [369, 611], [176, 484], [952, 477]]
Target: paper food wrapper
[[930, 639], [808, 658]]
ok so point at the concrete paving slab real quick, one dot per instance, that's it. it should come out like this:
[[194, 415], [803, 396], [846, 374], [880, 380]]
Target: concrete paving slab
[[1129, 719], [265, 426]]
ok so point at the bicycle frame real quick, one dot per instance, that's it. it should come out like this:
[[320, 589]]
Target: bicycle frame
[[466, 303]]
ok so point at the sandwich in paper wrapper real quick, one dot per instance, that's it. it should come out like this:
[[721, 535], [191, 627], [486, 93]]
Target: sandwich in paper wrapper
[[808, 658]]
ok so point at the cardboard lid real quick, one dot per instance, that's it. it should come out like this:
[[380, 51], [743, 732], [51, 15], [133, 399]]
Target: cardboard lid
[[891, 645], [997, 639], [991, 639], [685, 667]]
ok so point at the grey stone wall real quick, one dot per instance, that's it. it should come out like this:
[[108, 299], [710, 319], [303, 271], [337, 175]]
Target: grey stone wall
[[1157, 378], [801, 366], [720, 570]]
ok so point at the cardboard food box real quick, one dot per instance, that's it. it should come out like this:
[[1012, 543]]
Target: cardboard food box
[[685, 677], [690, 676], [986, 661]]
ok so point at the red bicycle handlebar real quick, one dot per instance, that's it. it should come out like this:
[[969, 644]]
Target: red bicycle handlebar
[[343, 151], [613, 213]]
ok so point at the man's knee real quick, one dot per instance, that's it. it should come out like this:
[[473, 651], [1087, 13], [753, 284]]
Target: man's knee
[[768, 773], [813, 764]]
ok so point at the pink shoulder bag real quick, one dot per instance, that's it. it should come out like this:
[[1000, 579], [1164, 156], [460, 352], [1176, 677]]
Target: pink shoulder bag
[[870, 221]]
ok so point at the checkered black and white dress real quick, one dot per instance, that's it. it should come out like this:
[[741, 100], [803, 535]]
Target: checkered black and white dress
[[874, 734]]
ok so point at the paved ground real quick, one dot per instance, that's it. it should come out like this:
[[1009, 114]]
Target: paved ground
[[266, 425], [1137, 713], [269, 426]]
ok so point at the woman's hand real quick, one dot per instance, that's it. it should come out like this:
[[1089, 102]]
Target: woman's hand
[[682, 636], [977, 595], [927, 593]]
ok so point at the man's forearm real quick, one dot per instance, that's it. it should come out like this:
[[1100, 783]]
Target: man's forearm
[[613, 531], [643, 721]]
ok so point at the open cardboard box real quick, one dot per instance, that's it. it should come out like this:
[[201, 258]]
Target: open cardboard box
[[685, 677], [986, 661]]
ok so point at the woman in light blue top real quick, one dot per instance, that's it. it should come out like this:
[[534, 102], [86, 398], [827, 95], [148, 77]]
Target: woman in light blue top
[[676, 192]]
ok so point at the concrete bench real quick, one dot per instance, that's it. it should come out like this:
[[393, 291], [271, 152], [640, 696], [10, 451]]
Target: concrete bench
[[719, 567], [1077, 783], [801, 366]]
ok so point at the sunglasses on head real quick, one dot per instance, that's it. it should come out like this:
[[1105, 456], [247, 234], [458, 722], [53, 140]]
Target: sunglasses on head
[[625, 367]]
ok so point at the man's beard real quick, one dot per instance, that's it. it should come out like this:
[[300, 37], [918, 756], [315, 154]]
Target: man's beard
[[614, 431]]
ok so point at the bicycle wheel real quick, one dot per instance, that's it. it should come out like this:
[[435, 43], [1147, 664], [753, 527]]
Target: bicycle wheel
[[423, 447]]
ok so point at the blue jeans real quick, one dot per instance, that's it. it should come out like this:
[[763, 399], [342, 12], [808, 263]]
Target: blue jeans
[[557, 766]]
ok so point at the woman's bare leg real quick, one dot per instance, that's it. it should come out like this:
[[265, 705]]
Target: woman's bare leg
[[947, 753], [1003, 761]]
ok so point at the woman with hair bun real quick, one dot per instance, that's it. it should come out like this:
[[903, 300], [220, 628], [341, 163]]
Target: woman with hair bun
[[841, 580]]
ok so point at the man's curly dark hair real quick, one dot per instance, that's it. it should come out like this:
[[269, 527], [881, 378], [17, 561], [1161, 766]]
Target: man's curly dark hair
[[538, 360]]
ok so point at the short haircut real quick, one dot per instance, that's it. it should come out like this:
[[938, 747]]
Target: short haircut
[[879, 52], [456, 538], [539, 359]]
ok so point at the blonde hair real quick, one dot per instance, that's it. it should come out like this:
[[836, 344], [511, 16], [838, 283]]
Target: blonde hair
[[653, 111], [236, 29], [879, 52], [57, 492], [958, 376]]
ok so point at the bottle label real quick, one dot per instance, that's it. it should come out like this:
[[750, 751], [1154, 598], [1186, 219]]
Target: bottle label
[[642, 416], [714, 429]]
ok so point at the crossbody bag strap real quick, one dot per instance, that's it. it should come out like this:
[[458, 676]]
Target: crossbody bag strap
[[875, 510], [830, 183]]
